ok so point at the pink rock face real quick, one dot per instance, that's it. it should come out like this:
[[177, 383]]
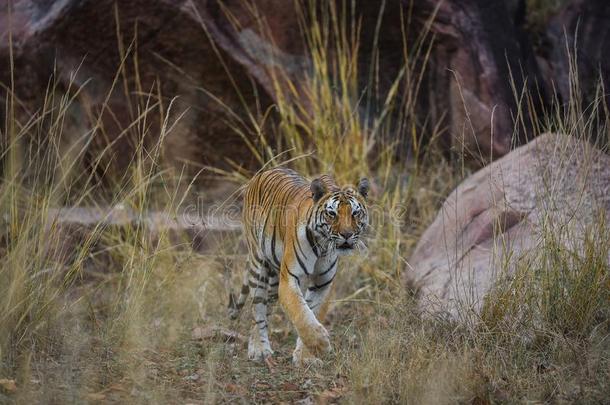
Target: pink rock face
[[500, 215]]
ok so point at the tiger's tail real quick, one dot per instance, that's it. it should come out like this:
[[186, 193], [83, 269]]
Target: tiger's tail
[[235, 305]]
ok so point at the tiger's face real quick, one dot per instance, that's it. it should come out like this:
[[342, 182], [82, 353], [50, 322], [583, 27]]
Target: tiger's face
[[341, 216]]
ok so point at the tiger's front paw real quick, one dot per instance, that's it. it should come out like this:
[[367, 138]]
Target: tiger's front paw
[[258, 350], [317, 340]]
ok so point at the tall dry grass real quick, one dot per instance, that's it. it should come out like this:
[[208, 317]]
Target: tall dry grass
[[80, 304]]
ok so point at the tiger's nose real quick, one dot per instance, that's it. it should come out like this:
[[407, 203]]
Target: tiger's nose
[[346, 235]]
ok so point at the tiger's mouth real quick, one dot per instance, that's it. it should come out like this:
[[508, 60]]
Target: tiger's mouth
[[346, 246]]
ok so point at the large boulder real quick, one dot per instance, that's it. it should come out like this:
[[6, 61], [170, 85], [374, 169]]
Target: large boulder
[[502, 213]]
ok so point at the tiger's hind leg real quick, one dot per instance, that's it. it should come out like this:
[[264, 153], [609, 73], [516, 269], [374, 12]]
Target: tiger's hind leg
[[259, 347], [235, 305]]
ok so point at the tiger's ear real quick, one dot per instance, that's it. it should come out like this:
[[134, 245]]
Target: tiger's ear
[[363, 187], [318, 189]]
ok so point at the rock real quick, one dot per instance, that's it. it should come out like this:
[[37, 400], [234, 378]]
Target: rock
[[207, 231], [581, 31], [217, 61], [478, 45], [499, 215], [76, 44]]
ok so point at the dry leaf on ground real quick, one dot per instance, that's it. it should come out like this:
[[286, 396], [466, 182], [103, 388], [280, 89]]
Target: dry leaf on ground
[[216, 333], [8, 385]]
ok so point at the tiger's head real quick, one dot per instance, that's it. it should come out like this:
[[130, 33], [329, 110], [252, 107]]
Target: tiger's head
[[340, 216]]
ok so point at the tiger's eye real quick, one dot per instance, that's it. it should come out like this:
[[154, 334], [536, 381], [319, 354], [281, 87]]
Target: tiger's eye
[[331, 214]]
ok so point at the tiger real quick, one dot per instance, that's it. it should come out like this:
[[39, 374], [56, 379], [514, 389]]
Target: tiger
[[295, 230]]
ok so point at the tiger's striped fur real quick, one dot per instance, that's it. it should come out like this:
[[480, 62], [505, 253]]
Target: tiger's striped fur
[[295, 231]]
